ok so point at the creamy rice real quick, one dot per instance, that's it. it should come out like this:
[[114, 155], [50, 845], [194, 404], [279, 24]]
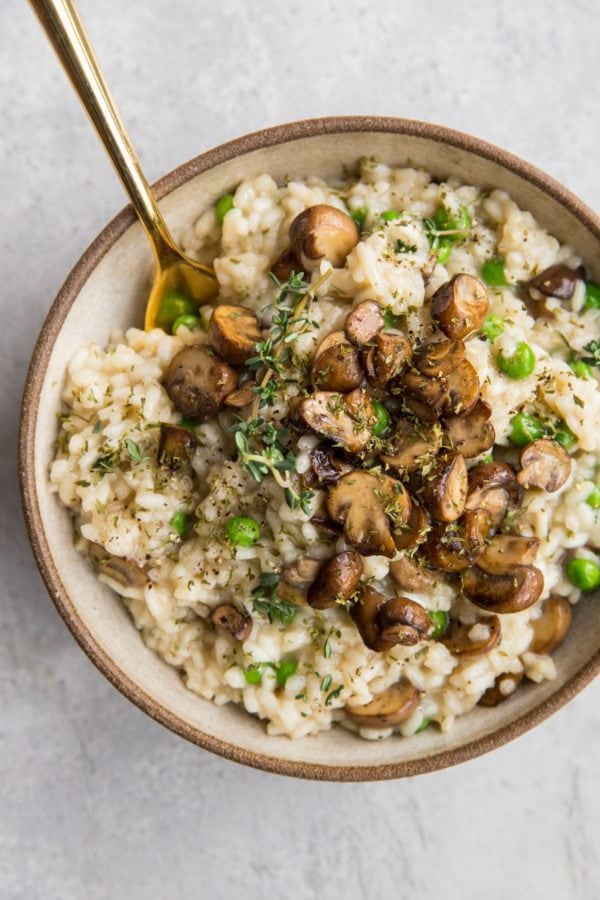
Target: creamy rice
[[114, 397]]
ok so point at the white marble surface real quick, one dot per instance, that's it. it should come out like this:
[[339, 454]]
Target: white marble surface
[[96, 800]]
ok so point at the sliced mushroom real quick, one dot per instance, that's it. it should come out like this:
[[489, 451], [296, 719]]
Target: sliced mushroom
[[494, 487], [409, 575], [544, 464], [389, 708], [413, 532], [386, 358], [227, 618], [455, 546], [198, 381], [175, 446], [557, 281], [430, 393], [444, 489], [234, 333], [512, 592], [336, 581], [550, 630], [364, 322], [460, 306], [502, 689], [365, 615], [327, 467], [369, 507], [403, 621], [242, 396], [504, 550], [323, 232], [462, 385], [458, 642], [439, 358], [302, 572], [340, 418], [336, 366], [412, 445], [324, 524], [473, 433], [285, 265], [124, 572]]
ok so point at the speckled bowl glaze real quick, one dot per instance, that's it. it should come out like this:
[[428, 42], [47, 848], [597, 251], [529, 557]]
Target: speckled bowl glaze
[[107, 289]]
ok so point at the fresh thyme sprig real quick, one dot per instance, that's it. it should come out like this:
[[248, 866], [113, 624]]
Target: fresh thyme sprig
[[265, 600], [594, 348]]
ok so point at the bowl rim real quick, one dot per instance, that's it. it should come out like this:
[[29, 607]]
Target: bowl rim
[[52, 325]]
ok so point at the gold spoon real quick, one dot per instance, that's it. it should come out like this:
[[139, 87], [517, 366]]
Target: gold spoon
[[174, 270]]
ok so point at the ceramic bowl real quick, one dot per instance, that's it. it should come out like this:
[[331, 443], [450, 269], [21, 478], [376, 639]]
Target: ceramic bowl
[[107, 289]]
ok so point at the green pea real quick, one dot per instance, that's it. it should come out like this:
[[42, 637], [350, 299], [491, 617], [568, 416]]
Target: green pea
[[359, 216], [525, 429], [439, 619], [447, 221], [425, 723], [390, 214], [382, 419], [191, 322], [391, 322], [592, 295], [224, 204], [242, 531], [253, 675], [593, 499], [492, 328], [493, 273], [581, 368], [179, 522], [520, 364], [444, 249], [172, 306], [284, 670], [188, 423], [584, 574], [564, 436]]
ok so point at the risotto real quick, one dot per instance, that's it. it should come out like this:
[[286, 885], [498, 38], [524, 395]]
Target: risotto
[[361, 487]]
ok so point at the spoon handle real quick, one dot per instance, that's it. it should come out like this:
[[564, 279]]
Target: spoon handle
[[62, 25]]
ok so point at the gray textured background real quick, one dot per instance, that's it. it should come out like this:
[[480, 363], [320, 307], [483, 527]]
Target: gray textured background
[[97, 801]]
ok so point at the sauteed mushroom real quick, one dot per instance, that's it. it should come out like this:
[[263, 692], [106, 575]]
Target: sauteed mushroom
[[327, 467], [403, 621], [386, 358], [336, 366], [460, 306], [414, 531], [242, 396], [302, 572], [227, 618], [438, 358], [429, 394], [389, 708], [544, 464], [369, 507], [410, 576], [285, 265], [444, 489], [503, 687], [336, 581], [494, 487], [462, 386], [364, 322], [458, 641], [234, 333], [473, 433], [123, 571], [557, 281], [506, 550], [198, 381], [365, 615], [175, 446], [515, 590], [347, 420], [412, 445], [550, 630], [322, 232], [455, 546]]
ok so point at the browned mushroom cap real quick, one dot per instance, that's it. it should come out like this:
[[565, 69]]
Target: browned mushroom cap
[[230, 620], [285, 265], [505, 550], [327, 467], [409, 575], [503, 687], [544, 464], [557, 281], [412, 445], [429, 394], [125, 572], [439, 357], [458, 642], [472, 434], [336, 581], [460, 306], [455, 546], [389, 708], [550, 630], [444, 489], [414, 531], [365, 615], [462, 385], [387, 357], [364, 322], [175, 446], [336, 366], [197, 381], [347, 420], [403, 621], [494, 487], [242, 396], [369, 507], [323, 232], [234, 333], [517, 589]]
